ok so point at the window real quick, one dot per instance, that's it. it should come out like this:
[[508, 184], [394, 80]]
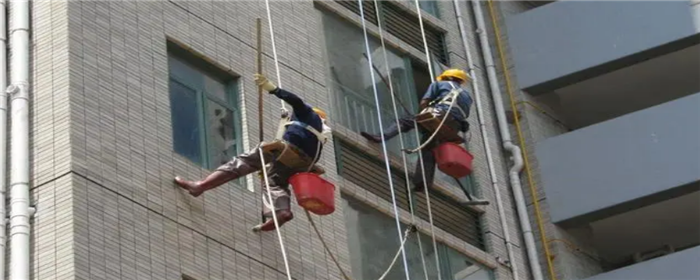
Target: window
[[404, 25], [352, 89], [371, 233], [205, 116], [429, 6]]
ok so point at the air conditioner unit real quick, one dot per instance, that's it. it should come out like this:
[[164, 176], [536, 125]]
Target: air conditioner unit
[[645, 256]]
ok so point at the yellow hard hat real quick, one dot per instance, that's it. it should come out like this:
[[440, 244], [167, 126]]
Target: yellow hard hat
[[454, 73], [320, 112]]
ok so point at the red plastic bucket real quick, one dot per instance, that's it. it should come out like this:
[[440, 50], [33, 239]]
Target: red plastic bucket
[[313, 193], [453, 160]]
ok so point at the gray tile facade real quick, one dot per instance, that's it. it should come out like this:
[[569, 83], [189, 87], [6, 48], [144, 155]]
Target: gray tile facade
[[103, 160]]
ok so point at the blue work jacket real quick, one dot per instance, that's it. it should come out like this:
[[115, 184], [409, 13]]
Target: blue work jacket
[[302, 112], [438, 90]]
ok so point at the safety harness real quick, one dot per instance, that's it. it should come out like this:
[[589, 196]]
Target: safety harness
[[319, 136], [448, 99], [288, 154], [428, 119]]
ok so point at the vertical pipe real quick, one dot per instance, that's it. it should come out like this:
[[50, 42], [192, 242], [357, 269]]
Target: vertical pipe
[[485, 140], [19, 153], [514, 150], [3, 133]]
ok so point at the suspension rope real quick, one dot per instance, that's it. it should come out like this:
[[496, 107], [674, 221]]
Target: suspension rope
[[274, 49], [420, 155], [274, 213], [381, 130], [271, 205], [401, 142], [437, 130]]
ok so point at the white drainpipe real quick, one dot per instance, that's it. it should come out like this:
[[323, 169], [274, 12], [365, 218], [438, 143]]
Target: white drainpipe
[[20, 211], [3, 133], [514, 150], [485, 140]]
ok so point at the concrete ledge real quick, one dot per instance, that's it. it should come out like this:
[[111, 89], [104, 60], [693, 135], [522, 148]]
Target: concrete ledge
[[681, 265], [622, 164]]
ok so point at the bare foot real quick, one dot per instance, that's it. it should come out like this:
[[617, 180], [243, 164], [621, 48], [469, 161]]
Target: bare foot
[[283, 216], [191, 187]]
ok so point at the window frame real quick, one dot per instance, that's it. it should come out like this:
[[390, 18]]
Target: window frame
[[202, 106]]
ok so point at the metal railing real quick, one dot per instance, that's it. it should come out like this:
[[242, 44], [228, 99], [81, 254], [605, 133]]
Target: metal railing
[[359, 113]]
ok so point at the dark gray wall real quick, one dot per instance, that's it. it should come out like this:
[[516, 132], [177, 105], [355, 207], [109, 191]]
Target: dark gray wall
[[637, 155], [567, 37], [682, 265]]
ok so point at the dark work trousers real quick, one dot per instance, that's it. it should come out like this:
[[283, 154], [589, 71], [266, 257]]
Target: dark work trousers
[[428, 164], [407, 124]]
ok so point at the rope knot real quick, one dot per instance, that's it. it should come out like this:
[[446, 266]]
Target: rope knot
[[411, 228]]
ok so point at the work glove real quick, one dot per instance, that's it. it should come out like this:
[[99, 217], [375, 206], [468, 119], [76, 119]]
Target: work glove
[[264, 83], [284, 114], [327, 132]]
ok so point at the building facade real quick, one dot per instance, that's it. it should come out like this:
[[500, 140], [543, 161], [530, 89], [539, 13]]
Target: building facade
[[128, 94], [609, 94]]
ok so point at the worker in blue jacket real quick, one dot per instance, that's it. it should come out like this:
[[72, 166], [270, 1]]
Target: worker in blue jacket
[[301, 134], [436, 99]]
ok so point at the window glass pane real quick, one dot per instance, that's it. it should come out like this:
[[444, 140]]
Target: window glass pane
[[429, 6], [185, 73], [371, 233], [185, 119], [221, 141], [197, 78], [351, 80], [461, 268], [215, 88], [413, 253]]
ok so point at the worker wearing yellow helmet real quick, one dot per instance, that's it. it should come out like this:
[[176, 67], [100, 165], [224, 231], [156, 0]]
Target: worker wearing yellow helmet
[[436, 99], [305, 133]]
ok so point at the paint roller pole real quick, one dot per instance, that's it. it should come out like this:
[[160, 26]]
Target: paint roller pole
[[259, 69], [258, 23]]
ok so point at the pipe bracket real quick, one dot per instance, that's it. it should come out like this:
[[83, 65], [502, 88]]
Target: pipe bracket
[[17, 88]]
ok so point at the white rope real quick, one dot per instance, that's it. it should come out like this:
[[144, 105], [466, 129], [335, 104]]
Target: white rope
[[274, 213], [430, 211], [381, 130], [403, 155], [262, 156], [437, 130], [425, 41], [274, 49], [420, 155], [396, 256]]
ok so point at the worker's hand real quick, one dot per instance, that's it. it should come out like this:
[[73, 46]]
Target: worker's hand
[[284, 113], [263, 82]]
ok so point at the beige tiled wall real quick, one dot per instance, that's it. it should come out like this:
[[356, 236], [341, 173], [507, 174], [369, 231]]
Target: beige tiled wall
[[103, 161]]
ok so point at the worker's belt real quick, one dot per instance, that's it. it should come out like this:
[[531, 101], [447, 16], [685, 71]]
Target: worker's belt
[[290, 155]]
